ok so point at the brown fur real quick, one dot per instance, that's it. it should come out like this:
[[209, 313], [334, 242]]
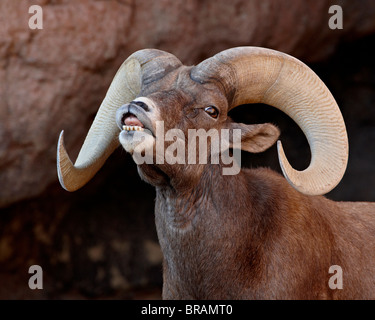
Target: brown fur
[[253, 236], [250, 235]]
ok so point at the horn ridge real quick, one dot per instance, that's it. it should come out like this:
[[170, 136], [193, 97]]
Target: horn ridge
[[260, 75], [102, 138]]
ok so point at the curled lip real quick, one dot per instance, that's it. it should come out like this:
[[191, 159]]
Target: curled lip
[[137, 111]]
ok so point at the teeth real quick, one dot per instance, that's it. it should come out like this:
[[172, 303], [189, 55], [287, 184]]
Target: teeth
[[132, 128]]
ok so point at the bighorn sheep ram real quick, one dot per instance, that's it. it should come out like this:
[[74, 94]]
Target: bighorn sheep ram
[[253, 235]]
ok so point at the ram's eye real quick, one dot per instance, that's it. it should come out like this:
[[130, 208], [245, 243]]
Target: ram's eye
[[212, 111]]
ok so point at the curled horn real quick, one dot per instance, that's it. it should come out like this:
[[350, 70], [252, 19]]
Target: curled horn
[[258, 75], [142, 67]]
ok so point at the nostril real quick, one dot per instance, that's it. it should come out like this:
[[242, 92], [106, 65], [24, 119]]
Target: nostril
[[141, 104]]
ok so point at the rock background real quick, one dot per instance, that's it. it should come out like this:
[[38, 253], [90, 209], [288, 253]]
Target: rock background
[[97, 243]]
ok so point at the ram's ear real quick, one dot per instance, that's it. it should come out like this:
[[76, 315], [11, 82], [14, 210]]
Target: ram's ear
[[254, 137]]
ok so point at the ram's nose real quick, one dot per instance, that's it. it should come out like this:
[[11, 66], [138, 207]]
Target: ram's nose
[[134, 116]]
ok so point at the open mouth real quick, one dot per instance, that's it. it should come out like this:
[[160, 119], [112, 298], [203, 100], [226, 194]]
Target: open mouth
[[131, 118], [131, 123], [136, 127]]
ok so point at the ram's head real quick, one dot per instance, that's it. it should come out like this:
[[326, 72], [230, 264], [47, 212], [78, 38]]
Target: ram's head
[[153, 87]]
